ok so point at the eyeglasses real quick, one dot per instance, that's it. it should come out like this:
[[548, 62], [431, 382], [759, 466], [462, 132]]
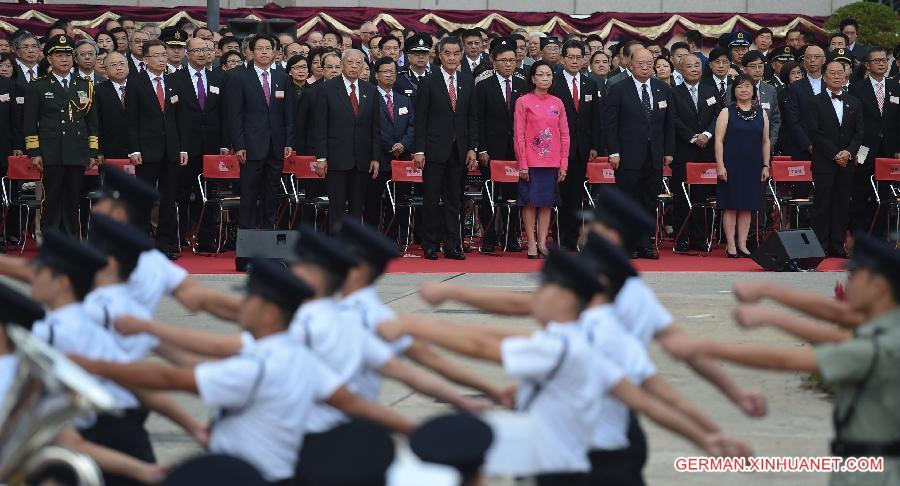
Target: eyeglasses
[[117, 64], [156, 56], [86, 54], [233, 62], [299, 67], [880, 60], [200, 50], [138, 41], [263, 49], [505, 61], [814, 56], [26, 47], [755, 65], [372, 32]]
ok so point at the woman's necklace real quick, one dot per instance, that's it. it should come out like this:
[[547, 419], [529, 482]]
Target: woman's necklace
[[741, 114]]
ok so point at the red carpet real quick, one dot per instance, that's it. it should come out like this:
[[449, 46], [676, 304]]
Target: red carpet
[[517, 263]]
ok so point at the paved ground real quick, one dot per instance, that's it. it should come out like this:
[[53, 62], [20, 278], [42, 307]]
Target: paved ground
[[799, 419]]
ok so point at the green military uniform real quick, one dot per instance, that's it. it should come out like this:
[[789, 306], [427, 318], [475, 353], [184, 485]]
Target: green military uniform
[[60, 126], [866, 374]]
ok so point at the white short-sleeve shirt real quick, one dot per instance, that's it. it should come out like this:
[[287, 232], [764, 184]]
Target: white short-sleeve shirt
[[337, 337], [69, 330], [609, 339], [639, 311], [8, 363], [565, 411], [154, 277], [374, 312], [262, 400], [106, 304]]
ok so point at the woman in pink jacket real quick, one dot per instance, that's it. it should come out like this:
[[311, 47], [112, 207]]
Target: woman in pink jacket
[[542, 149]]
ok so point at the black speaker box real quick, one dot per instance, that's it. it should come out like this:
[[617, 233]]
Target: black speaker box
[[244, 27], [272, 244], [279, 26], [797, 249]]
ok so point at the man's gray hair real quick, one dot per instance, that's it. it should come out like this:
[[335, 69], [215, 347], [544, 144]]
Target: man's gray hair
[[539, 34], [346, 54], [681, 61], [153, 26], [17, 43], [449, 40], [89, 42]]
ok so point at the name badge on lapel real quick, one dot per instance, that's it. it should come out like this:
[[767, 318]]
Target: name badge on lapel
[[4, 98], [82, 97], [710, 101], [20, 100], [279, 95], [588, 98], [895, 99], [214, 89], [174, 99], [765, 106], [47, 95], [402, 110], [407, 92], [663, 105]]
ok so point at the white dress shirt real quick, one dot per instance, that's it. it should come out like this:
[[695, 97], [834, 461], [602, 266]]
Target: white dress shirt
[[568, 77], [718, 82], [59, 79], [138, 62], [26, 69], [678, 78], [696, 102], [640, 91], [348, 83], [816, 84], [473, 64], [193, 75], [875, 85], [259, 74], [838, 105], [502, 81], [447, 84]]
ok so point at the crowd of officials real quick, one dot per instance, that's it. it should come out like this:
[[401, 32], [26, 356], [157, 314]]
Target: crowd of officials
[[294, 394], [450, 102]]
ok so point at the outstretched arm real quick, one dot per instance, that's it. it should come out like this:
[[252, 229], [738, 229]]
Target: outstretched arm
[[197, 297], [809, 303], [166, 405], [145, 374], [428, 384], [752, 355], [354, 405], [469, 341], [657, 386], [811, 331], [17, 268], [490, 300], [112, 461], [191, 340], [422, 354], [753, 404]]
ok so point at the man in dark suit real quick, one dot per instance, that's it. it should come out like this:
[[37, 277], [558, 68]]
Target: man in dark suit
[[719, 62], [418, 48], [135, 53], [880, 98], [395, 134], [347, 138], [850, 28], [28, 51], [153, 139], [641, 137], [474, 52], [200, 131], [445, 141], [260, 117], [497, 92], [584, 113], [800, 95], [696, 109], [109, 99], [834, 122]]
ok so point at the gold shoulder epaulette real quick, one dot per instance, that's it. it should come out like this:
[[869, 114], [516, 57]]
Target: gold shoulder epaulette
[[484, 75]]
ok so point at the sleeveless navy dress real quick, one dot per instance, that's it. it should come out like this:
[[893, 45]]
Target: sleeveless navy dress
[[743, 161]]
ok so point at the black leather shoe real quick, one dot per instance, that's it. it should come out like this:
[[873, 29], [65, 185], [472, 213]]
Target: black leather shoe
[[431, 255], [648, 254], [172, 255], [683, 247], [488, 247], [514, 247], [454, 255]]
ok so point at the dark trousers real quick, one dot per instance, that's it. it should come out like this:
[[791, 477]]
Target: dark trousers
[[863, 201], [621, 467], [373, 210], [163, 175], [346, 192], [694, 231], [307, 453], [260, 182], [562, 479], [187, 185], [831, 212], [571, 198], [642, 183], [443, 182], [61, 192], [502, 192], [125, 434]]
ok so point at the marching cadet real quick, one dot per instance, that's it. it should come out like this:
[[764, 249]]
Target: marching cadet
[[777, 58], [16, 308], [561, 375], [264, 396], [458, 440], [374, 251], [60, 129], [613, 459], [863, 370], [418, 49]]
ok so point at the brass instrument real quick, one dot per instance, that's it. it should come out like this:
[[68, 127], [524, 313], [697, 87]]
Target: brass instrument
[[48, 391]]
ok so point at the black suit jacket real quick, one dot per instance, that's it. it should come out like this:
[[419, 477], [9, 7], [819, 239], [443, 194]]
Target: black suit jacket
[[437, 125], [151, 131], [800, 94], [346, 139], [495, 116], [827, 135], [586, 124], [262, 130], [882, 130], [200, 130], [630, 130], [11, 137], [398, 129], [114, 134], [464, 64], [305, 119], [691, 120]]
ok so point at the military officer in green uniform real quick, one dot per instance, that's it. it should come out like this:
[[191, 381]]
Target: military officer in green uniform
[[60, 134], [864, 367], [777, 58]]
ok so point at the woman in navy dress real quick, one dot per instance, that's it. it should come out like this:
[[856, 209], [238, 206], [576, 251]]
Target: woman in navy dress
[[742, 163]]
